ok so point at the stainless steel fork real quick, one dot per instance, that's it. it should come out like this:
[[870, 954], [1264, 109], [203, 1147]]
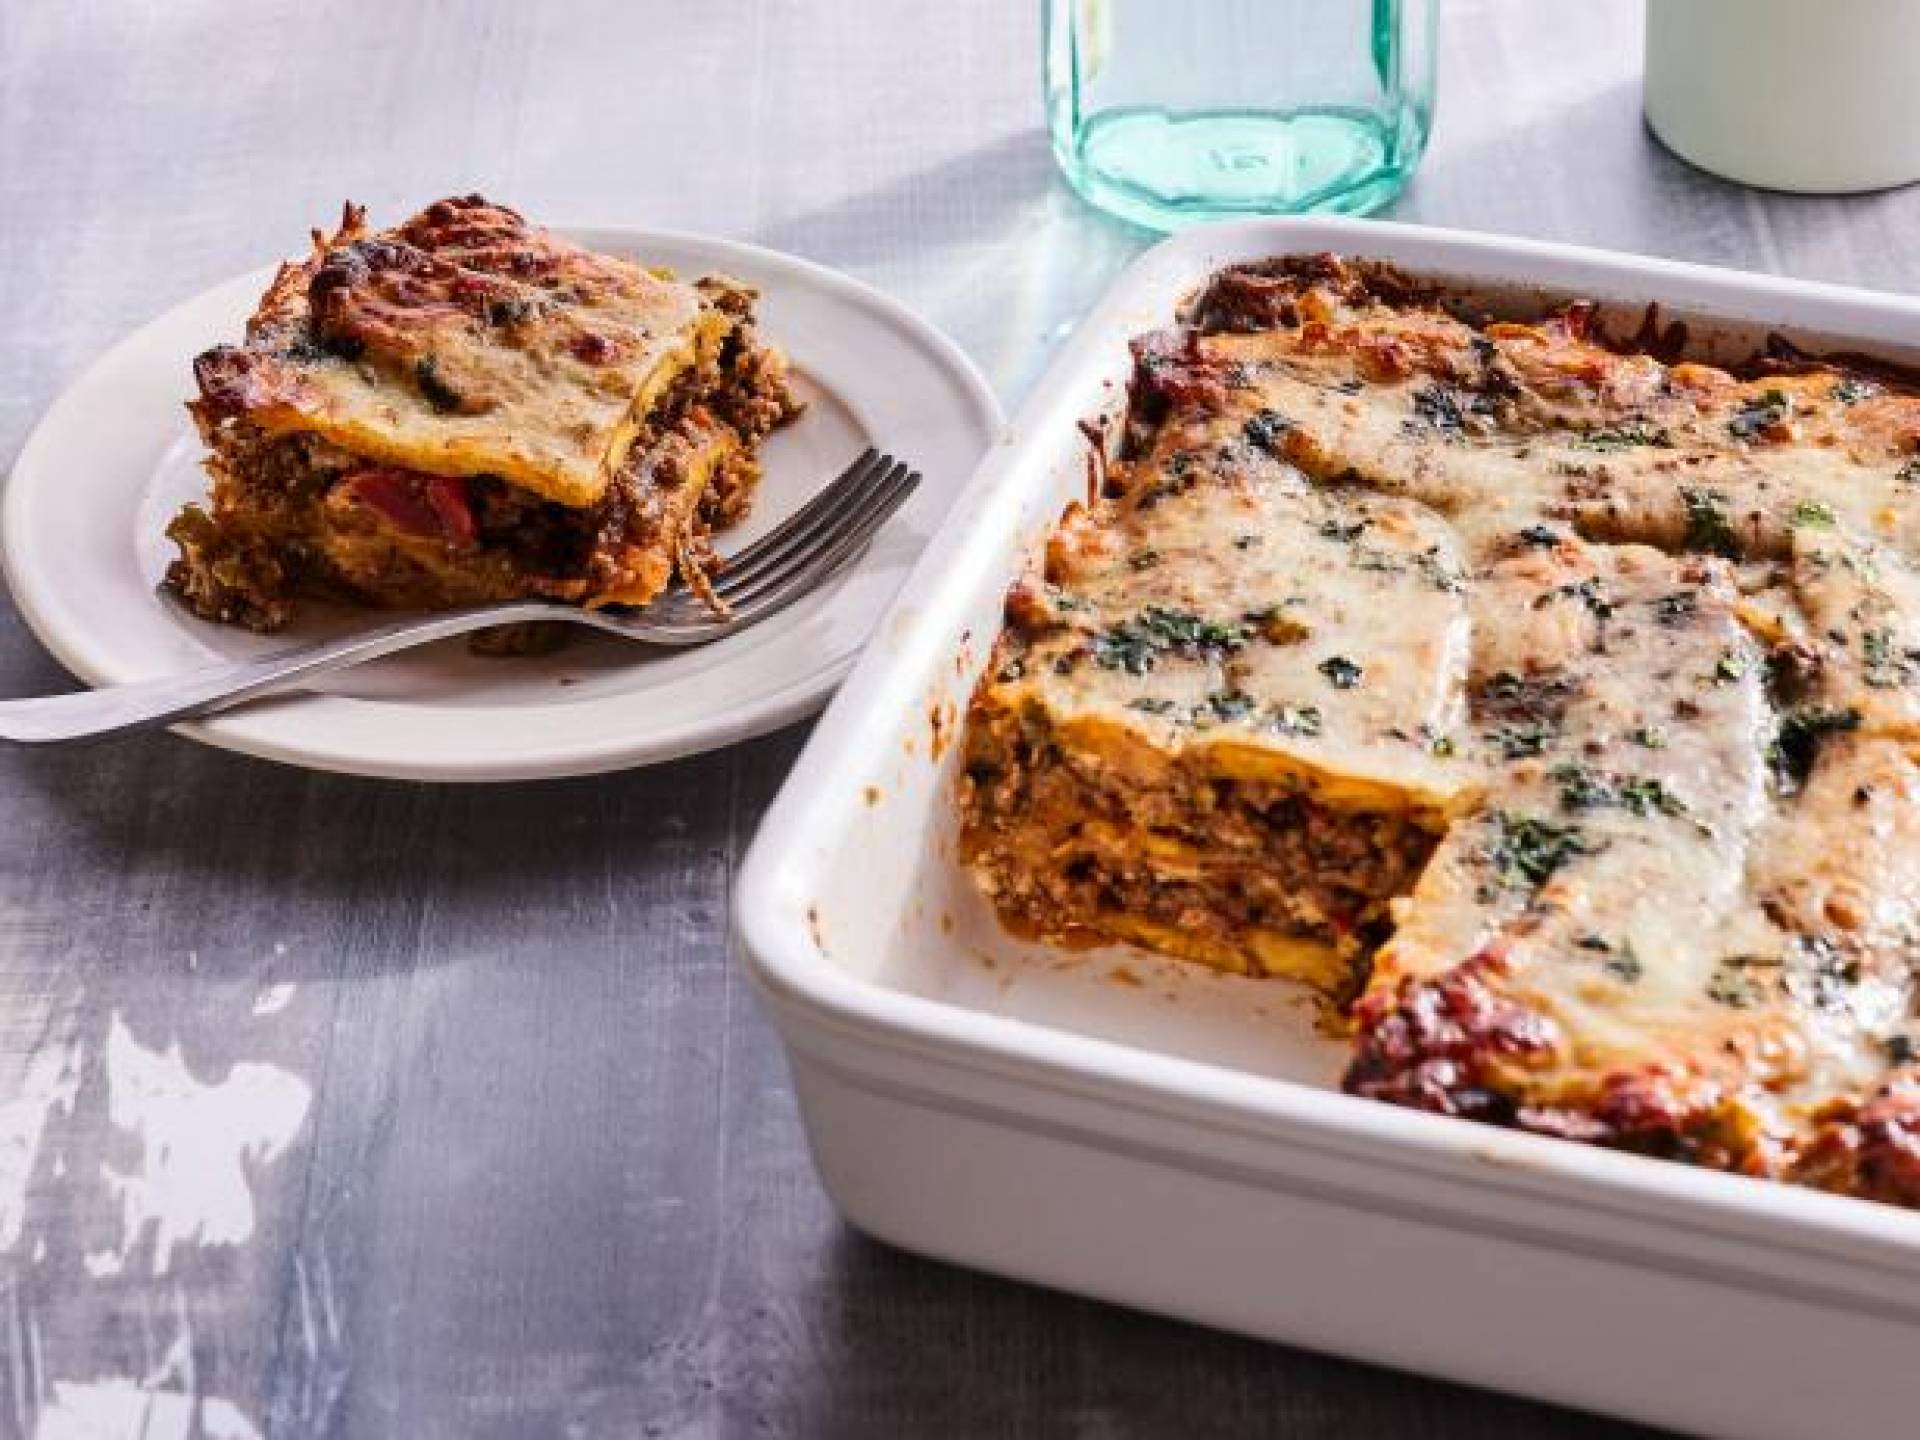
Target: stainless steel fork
[[805, 550]]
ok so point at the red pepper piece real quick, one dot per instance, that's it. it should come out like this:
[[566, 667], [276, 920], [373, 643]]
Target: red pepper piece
[[431, 507]]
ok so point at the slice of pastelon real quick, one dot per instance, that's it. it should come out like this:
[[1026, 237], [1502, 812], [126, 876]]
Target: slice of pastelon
[[1330, 655], [1605, 873], [1226, 722]]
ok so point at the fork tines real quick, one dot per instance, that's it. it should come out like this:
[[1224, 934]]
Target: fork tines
[[803, 550]]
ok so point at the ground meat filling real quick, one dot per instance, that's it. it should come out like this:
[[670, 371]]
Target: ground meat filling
[[1064, 849]]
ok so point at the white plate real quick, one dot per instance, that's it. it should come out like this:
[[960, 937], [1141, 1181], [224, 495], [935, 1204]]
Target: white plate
[[1154, 1134], [83, 512]]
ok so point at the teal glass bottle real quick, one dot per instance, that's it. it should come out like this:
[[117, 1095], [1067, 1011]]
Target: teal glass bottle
[[1167, 112]]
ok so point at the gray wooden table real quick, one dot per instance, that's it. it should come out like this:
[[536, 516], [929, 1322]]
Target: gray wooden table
[[375, 1109]]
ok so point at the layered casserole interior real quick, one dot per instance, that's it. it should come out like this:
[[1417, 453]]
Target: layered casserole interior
[[468, 408], [1551, 704]]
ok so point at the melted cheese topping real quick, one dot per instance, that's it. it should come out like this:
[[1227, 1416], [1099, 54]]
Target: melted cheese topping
[[1625, 739], [1263, 630]]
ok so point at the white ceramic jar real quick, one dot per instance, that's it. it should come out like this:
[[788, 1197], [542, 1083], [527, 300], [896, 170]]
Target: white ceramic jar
[[1820, 96]]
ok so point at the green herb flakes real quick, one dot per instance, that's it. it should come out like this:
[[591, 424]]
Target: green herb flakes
[[1586, 787], [1621, 962], [1365, 557], [1708, 527], [1887, 666], [1514, 742], [1295, 720], [1440, 574], [1678, 608], [433, 385], [1802, 732], [1586, 592], [1229, 705], [1525, 850], [1341, 673], [1343, 533], [1624, 437], [1135, 645], [1813, 513], [1734, 984], [1440, 410], [1645, 795], [1263, 431], [1760, 414]]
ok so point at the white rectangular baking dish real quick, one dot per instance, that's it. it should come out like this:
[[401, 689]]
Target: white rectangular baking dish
[[1161, 1137]]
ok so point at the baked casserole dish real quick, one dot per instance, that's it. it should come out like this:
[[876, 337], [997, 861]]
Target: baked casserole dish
[[1549, 703]]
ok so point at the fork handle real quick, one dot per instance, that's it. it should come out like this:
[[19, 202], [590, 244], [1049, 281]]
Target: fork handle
[[147, 704]]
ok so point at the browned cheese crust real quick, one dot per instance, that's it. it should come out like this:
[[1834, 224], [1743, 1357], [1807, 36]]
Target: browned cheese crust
[[1553, 700]]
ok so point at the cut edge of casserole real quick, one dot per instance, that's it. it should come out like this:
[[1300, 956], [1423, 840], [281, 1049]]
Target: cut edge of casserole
[[1186, 739]]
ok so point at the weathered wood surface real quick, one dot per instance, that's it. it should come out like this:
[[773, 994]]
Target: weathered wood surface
[[481, 1131]]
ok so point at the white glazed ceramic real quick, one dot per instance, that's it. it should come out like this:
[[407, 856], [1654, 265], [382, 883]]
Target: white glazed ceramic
[[1159, 1136], [1814, 95], [115, 457]]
